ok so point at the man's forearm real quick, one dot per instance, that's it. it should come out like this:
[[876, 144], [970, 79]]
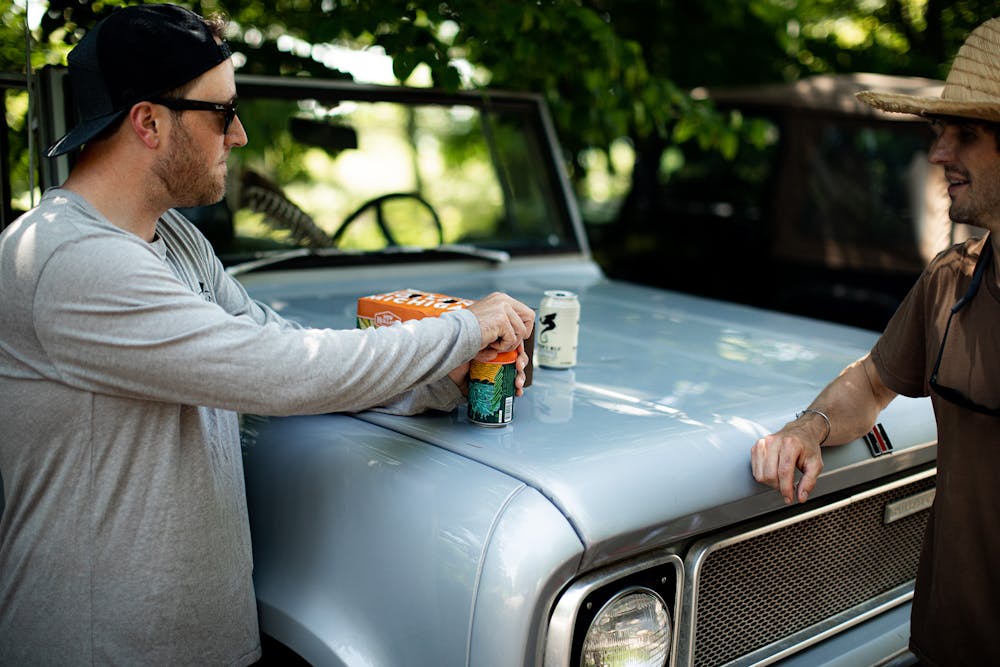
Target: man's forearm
[[852, 403], [844, 411]]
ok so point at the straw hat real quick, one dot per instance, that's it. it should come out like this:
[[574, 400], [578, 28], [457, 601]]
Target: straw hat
[[972, 89]]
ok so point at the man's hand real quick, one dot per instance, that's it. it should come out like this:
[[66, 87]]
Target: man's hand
[[776, 457], [504, 322], [853, 402], [460, 375]]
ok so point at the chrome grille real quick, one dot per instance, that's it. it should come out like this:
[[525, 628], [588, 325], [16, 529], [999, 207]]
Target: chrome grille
[[756, 589]]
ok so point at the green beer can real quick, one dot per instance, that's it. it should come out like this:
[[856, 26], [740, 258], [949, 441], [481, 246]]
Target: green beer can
[[491, 390]]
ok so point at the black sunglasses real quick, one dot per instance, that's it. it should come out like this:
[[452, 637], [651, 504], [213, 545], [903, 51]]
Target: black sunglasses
[[947, 393], [228, 111]]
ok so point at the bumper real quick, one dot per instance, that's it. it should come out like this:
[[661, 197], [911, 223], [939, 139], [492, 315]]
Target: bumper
[[881, 641]]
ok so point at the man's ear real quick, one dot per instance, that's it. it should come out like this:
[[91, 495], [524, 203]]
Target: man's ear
[[146, 121]]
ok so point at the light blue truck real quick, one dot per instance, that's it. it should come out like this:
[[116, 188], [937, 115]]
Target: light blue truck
[[615, 521]]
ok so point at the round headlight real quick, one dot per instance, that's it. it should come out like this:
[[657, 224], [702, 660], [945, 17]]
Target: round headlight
[[631, 630]]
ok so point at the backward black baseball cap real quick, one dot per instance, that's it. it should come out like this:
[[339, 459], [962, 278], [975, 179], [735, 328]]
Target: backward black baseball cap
[[135, 53]]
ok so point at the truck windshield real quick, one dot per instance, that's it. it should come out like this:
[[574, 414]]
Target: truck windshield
[[322, 170]]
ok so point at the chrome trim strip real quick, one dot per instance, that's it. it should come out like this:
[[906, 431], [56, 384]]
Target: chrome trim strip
[[696, 556], [559, 634]]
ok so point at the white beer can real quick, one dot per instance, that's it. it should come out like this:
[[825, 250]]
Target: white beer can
[[558, 329]]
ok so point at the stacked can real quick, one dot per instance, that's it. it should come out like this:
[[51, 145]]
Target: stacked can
[[491, 390], [558, 329]]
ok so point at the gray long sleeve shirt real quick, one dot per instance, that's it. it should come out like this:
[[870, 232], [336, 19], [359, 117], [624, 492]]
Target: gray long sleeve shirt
[[124, 536]]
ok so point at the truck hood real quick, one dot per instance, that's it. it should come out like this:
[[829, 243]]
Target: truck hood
[[647, 439]]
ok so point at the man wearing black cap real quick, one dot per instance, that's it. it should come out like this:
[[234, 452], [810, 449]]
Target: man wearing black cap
[[942, 343], [126, 351]]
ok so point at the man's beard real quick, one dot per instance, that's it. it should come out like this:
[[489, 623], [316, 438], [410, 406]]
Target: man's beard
[[980, 202], [969, 213], [184, 174]]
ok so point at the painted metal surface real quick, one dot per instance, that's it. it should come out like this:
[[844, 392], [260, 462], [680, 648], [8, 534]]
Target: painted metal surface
[[427, 535], [383, 540], [655, 423], [369, 547]]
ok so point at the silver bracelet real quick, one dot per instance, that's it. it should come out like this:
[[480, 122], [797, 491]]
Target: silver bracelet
[[829, 427]]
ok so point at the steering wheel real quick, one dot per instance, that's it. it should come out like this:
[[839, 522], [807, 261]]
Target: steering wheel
[[377, 203]]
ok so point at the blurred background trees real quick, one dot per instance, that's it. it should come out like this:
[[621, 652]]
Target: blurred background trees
[[616, 73]]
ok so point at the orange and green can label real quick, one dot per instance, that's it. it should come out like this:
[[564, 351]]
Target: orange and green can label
[[491, 390]]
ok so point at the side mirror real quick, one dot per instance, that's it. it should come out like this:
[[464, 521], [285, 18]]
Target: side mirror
[[329, 136]]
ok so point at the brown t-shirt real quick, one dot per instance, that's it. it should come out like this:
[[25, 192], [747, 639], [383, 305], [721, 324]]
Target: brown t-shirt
[[956, 607]]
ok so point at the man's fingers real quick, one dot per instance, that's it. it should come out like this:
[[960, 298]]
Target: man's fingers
[[521, 364], [504, 321], [526, 315], [460, 376], [512, 329], [764, 462], [787, 465], [757, 453], [775, 460], [810, 473]]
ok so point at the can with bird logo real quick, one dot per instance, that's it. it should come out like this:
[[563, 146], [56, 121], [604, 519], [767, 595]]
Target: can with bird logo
[[558, 329]]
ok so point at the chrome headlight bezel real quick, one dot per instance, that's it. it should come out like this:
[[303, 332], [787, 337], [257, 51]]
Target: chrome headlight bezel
[[584, 599]]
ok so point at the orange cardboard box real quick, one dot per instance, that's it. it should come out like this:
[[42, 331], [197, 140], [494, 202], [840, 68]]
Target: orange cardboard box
[[379, 310]]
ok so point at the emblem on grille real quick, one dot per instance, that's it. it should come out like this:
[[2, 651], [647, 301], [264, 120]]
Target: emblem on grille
[[878, 441], [904, 507]]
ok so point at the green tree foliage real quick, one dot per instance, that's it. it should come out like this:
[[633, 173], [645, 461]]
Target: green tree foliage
[[610, 69]]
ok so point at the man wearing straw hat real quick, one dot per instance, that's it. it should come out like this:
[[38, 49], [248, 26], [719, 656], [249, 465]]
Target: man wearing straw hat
[[942, 343]]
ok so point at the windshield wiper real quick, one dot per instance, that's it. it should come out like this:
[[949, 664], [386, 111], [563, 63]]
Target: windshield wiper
[[489, 254], [280, 257]]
